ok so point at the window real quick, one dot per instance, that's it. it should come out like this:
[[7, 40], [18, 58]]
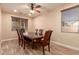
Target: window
[[18, 23], [70, 19]]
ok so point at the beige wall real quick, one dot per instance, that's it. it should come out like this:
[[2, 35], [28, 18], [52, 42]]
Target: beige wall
[[0, 24], [31, 25], [52, 20], [7, 24]]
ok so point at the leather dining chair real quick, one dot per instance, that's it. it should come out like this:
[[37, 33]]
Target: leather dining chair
[[19, 37], [45, 41], [21, 33], [40, 31], [25, 39]]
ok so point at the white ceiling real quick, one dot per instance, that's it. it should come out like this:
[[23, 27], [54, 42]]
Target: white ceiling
[[23, 8]]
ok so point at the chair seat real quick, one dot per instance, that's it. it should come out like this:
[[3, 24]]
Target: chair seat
[[43, 43], [27, 39]]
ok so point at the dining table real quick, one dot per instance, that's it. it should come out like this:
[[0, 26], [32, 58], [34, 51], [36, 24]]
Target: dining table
[[33, 37]]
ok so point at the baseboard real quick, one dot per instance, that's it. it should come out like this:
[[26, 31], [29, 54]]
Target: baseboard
[[9, 39], [65, 45], [58, 43]]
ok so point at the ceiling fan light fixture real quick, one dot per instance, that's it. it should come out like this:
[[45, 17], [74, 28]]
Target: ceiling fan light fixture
[[32, 11]]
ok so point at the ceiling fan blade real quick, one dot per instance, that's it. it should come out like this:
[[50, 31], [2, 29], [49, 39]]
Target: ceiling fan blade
[[38, 6]]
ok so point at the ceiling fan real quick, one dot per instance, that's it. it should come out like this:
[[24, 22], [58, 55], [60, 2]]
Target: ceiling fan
[[35, 7]]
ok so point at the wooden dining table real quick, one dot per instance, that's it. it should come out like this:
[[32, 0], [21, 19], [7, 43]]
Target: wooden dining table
[[33, 37]]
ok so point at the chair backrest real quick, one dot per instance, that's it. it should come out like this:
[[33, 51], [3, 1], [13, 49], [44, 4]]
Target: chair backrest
[[47, 36], [22, 30], [36, 31], [40, 31], [18, 32]]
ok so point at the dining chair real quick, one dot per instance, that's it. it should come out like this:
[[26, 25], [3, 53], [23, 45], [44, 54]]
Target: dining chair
[[36, 31], [21, 33], [40, 31], [25, 39], [45, 41], [19, 37]]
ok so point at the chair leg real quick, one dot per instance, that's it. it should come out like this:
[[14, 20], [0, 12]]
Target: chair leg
[[23, 44], [19, 41], [43, 51], [32, 45], [49, 47]]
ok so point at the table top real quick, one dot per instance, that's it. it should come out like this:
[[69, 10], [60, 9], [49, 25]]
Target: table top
[[33, 36]]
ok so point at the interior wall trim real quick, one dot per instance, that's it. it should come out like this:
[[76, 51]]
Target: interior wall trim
[[9, 39], [55, 42], [67, 46]]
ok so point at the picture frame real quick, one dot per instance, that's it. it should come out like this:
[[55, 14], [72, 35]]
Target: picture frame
[[70, 20]]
